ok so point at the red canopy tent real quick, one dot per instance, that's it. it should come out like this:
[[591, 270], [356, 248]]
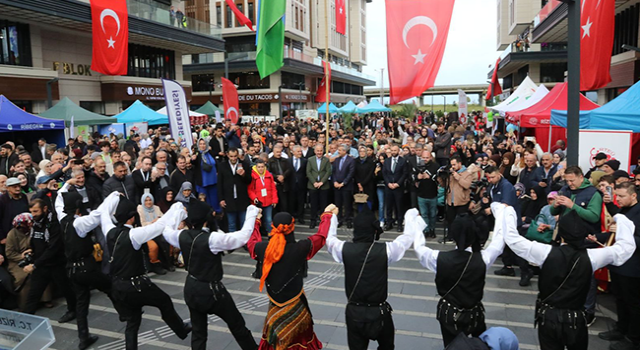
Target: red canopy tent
[[538, 116]]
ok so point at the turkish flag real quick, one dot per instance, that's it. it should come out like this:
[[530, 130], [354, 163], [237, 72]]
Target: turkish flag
[[230, 101], [417, 33], [321, 94], [110, 28], [598, 26], [242, 19], [494, 88], [341, 17]]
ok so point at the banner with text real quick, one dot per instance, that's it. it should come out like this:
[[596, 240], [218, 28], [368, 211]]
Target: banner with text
[[462, 106], [615, 144], [178, 112]]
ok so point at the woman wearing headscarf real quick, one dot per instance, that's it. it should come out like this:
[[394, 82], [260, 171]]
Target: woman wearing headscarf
[[185, 195], [165, 199], [460, 273], [206, 174], [282, 267], [150, 213], [45, 168], [505, 167], [532, 207]]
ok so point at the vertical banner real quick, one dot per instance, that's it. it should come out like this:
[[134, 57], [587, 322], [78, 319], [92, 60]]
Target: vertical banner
[[462, 107], [615, 144], [178, 112], [72, 131]]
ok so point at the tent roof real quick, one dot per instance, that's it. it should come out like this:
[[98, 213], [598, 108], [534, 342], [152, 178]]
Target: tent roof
[[209, 109], [621, 113], [332, 108], [163, 111], [539, 115], [138, 112], [526, 89], [374, 106], [65, 109], [350, 107], [524, 103], [13, 118]]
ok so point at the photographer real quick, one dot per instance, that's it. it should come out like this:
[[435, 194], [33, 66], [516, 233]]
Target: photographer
[[47, 263], [543, 175], [427, 191], [458, 192]]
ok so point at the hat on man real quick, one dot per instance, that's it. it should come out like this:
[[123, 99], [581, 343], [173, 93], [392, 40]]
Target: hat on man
[[42, 180], [6, 145], [620, 174], [600, 156], [125, 210], [613, 164], [12, 181]]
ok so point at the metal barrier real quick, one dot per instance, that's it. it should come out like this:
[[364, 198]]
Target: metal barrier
[[20, 331]]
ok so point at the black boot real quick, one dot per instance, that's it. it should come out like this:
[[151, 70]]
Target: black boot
[[85, 343]]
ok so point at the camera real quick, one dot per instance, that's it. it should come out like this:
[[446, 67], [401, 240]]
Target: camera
[[444, 172], [28, 260]]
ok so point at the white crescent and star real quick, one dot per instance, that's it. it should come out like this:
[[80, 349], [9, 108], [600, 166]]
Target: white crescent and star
[[231, 109], [419, 20], [587, 28], [110, 13]]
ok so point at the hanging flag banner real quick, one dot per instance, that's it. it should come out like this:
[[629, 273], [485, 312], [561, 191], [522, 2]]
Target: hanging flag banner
[[72, 129], [230, 101], [462, 106], [417, 32], [597, 26], [110, 32], [270, 37], [341, 17], [494, 88], [178, 112], [321, 94]]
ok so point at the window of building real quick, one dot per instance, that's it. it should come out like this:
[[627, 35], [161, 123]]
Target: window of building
[[625, 32], [151, 62], [15, 44], [552, 72], [203, 82], [250, 11], [241, 8], [292, 81], [219, 15], [229, 22], [249, 80]]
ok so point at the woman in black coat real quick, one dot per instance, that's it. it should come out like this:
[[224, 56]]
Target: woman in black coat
[[365, 176]]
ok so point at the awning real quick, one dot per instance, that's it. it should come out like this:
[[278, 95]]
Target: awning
[[14, 119], [138, 113], [65, 109], [526, 89]]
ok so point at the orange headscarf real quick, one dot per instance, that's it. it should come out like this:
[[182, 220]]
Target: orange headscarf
[[275, 249]]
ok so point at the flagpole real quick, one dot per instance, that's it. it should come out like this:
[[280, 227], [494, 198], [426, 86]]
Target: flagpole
[[326, 70], [573, 83]]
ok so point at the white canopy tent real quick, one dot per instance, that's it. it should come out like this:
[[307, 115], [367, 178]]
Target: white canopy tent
[[524, 103], [526, 89]]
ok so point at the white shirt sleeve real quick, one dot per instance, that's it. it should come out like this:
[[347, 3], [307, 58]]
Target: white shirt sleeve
[[219, 241], [110, 204], [59, 204], [491, 253], [621, 251], [140, 235], [427, 256], [531, 251], [413, 225], [171, 232], [85, 224], [334, 244]]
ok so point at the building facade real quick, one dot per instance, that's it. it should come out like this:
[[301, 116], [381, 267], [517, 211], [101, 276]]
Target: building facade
[[293, 87], [535, 41], [46, 47]]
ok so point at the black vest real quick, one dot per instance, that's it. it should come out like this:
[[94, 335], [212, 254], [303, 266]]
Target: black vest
[[126, 262], [469, 291], [200, 262], [372, 288], [582, 196], [555, 269], [75, 247]]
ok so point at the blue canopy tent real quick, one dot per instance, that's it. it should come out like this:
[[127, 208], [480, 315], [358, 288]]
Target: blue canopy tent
[[622, 113], [350, 107], [332, 108], [14, 120], [138, 112], [374, 106]]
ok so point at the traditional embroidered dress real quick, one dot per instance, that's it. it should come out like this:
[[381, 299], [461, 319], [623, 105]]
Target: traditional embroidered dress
[[282, 265]]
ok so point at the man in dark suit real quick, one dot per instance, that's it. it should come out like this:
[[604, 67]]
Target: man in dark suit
[[344, 168], [413, 161], [143, 178], [219, 144], [39, 151], [234, 176], [282, 173], [8, 158], [162, 179], [298, 194], [307, 152], [318, 173], [394, 174], [181, 175]]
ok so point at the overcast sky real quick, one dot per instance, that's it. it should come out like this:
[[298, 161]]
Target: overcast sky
[[471, 45]]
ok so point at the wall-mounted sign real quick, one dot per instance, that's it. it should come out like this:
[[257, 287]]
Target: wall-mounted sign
[[72, 68], [146, 92], [295, 98], [132, 92], [250, 98]]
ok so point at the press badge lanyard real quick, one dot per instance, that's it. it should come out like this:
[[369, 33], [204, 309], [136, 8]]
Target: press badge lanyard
[[264, 190]]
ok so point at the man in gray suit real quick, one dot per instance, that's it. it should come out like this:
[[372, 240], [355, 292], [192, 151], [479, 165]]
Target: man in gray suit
[[318, 172]]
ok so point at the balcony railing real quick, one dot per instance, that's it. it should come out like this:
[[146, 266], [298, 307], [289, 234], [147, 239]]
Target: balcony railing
[[546, 11], [156, 12]]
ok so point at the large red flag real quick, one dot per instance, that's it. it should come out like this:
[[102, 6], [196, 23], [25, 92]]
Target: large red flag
[[417, 33], [598, 26], [242, 19], [494, 88], [110, 27], [321, 94], [230, 101], [341, 17]]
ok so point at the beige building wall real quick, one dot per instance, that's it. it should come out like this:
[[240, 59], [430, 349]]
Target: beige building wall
[[357, 24], [502, 25], [521, 14], [338, 43]]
